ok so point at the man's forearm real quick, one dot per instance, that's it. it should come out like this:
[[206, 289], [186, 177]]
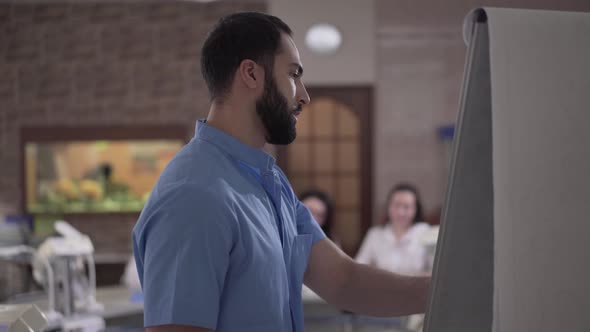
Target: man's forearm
[[375, 292]]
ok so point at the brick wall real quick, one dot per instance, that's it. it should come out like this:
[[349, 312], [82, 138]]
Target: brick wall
[[420, 60], [137, 63], [100, 64]]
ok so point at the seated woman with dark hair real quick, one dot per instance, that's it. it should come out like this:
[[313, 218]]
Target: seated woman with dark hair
[[397, 245], [321, 207]]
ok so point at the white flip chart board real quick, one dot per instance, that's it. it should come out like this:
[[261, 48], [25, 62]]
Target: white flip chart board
[[514, 247]]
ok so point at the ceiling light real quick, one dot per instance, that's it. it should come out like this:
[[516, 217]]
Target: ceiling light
[[323, 38]]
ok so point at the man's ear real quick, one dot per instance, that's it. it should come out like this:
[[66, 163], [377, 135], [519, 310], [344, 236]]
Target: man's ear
[[251, 74]]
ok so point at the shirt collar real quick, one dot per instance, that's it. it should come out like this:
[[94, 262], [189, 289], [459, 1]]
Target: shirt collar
[[240, 151], [405, 238]]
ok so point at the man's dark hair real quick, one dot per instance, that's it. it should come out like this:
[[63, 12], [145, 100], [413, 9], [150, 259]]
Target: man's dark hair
[[235, 38]]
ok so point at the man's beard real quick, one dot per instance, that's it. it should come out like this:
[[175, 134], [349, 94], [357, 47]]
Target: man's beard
[[276, 115]]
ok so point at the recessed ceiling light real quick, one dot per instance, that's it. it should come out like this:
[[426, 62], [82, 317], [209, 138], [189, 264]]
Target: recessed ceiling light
[[202, 1], [323, 38]]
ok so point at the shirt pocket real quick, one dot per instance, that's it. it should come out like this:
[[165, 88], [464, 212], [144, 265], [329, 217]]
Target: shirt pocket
[[299, 257]]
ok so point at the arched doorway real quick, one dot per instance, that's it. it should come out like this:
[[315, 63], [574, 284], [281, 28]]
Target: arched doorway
[[332, 153]]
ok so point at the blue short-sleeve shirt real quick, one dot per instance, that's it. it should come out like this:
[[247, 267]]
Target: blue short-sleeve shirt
[[223, 242]]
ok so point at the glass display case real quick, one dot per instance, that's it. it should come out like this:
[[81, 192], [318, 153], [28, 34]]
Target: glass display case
[[93, 175]]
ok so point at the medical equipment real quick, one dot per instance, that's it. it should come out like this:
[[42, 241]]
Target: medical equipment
[[65, 267]]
